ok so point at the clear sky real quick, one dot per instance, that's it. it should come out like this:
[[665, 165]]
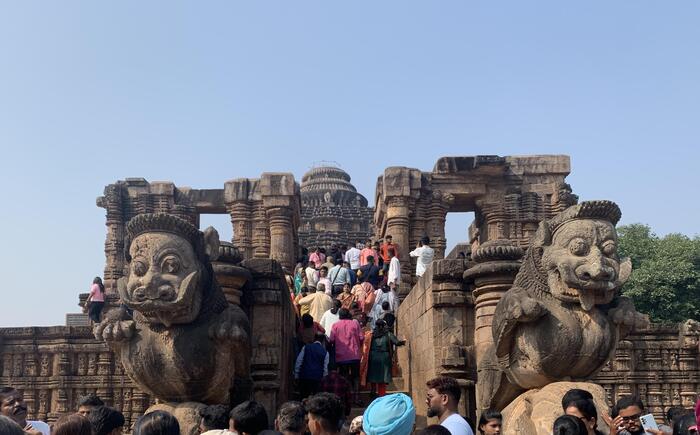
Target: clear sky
[[202, 92]]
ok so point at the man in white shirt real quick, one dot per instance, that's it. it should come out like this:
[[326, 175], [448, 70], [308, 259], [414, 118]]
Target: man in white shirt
[[394, 275], [330, 317], [12, 406], [425, 255], [352, 256], [311, 275], [442, 399]]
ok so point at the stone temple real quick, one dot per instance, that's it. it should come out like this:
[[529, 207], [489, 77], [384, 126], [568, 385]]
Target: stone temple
[[452, 317], [332, 211]]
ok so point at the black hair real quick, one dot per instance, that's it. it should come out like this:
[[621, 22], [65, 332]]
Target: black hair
[[681, 425], [214, 417], [337, 303], [569, 425], [675, 412], [446, 385], [435, 429], [344, 314], [488, 415], [98, 281], [354, 306], [386, 305], [157, 423], [307, 320], [291, 417], [328, 408], [625, 402], [90, 400], [370, 259], [6, 391], [425, 240], [586, 407], [249, 417], [104, 420], [573, 395]]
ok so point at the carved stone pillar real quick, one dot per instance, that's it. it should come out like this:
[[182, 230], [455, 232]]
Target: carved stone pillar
[[437, 215], [397, 226], [261, 232], [497, 263], [494, 220], [242, 221], [281, 236], [44, 403], [114, 242]]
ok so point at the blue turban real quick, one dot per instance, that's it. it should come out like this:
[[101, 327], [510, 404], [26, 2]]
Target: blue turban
[[392, 414]]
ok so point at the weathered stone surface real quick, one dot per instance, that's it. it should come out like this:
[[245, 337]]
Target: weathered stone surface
[[563, 316], [509, 196], [534, 412], [184, 342], [187, 415], [332, 211]]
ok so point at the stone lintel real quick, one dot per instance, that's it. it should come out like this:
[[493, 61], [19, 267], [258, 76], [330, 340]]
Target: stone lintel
[[485, 164], [539, 165], [401, 181], [278, 184], [205, 200], [241, 189], [164, 188]]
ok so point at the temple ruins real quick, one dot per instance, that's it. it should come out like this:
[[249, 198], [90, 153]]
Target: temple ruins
[[447, 316], [332, 211]]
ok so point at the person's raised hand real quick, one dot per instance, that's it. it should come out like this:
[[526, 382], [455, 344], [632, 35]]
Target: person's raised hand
[[613, 423]]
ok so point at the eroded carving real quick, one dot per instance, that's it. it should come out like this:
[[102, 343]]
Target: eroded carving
[[184, 342], [563, 316]]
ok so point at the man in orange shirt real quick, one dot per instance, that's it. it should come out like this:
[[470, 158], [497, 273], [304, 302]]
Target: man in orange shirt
[[384, 251]]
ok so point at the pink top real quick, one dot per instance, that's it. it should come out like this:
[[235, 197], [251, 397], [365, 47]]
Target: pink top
[[95, 294], [347, 336], [317, 259], [366, 253]]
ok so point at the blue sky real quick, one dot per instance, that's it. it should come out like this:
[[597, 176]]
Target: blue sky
[[202, 92]]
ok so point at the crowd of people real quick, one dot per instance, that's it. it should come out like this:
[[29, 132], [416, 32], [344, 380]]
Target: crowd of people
[[326, 413], [346, 302]]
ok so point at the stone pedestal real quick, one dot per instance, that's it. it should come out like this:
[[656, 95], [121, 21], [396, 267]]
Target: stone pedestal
[[534, 412]]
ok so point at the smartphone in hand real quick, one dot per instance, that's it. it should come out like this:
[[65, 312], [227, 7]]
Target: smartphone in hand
[[648, 422]]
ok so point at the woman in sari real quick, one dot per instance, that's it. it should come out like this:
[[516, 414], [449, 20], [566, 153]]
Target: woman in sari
[[346, 297], [380, 357]]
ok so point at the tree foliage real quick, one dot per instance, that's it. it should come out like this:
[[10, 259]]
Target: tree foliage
[[665, 280]]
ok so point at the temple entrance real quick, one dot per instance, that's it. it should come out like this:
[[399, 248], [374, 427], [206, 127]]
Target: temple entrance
[[457, 232], [222, 223]]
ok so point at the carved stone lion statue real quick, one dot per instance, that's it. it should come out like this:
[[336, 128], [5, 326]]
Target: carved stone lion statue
[[184, 341], [563, 317]]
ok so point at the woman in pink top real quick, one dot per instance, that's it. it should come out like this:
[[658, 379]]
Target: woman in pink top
[[96, 299], [347, 336]]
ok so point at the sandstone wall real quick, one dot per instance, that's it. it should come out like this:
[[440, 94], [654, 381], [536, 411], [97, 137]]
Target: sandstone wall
[[437, 320], [661, 364]]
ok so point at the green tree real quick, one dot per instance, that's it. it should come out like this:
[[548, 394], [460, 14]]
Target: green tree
[[665, 280]]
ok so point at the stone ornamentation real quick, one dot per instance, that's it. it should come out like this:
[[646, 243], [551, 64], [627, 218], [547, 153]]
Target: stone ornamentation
[[184, 341], [564, 315]]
